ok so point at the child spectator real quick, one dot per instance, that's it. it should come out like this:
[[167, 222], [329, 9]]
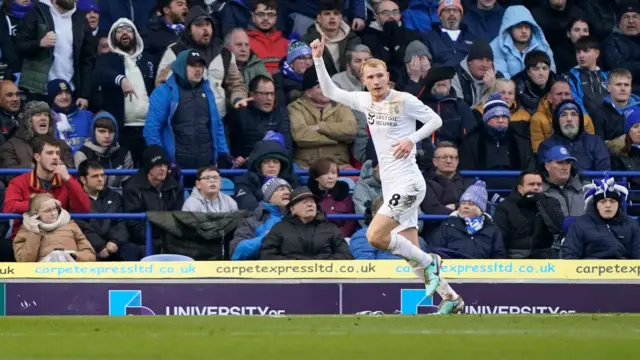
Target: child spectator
[[206, 196], [588, 82], [73, 124]]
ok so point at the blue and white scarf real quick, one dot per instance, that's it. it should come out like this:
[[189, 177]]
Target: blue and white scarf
[[474, 224]]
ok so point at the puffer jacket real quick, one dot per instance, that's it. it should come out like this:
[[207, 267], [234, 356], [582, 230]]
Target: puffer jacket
[[570, 196], [270, 47], [291, 239], [335, 201], [486, 243], [337, 131], [250, 125], [247, 239], [592, 237], [541, 126], [367, 189], [508, 59]]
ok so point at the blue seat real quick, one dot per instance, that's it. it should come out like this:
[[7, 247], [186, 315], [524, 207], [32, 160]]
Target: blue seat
[[352, 184], [166, 257], [228, 187]]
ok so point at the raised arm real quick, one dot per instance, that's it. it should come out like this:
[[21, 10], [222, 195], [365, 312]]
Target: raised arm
[[329, 89]]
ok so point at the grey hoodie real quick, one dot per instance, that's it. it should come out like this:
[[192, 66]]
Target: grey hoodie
[[197, 203], [478, 85]]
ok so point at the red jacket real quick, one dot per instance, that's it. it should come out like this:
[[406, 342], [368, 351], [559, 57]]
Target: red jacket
[[70, 194], [270, 47]]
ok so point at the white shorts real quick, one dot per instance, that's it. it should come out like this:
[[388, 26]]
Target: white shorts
[[402, 201]]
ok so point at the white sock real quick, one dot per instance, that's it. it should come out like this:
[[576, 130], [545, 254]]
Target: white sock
[[401, 246], [445, 291]]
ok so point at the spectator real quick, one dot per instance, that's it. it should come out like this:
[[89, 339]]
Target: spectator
[[565, 53], [304, 234], [339, 36], [627, 158], [137, 11], [601, 15], [519, 117], [470, 232], [152, 188], [268, 159], [10, 105], [332, 194], [417, 64], [368, 187], [92, 11], [535, 81], [475, 73], [47, 228], [128, 73], [588, 82], [74, 124], [421, 15], [267, 42], [13, 11], [292, 69], [50, 175], [568, 131], [183, 117], [206, 196], [109, 237], [237, 41], [529, 220], [36, 120], [449, 41], [319, 127], [562, 182], [542, 121], [620, 49], [103, 147], [483, 18], [68, 53], [605, 231], [388, 37], [164, 28], [553, 17], [609, 113], [519, 35], [225, 80], [261, 116], [248, 237], [350, 79]]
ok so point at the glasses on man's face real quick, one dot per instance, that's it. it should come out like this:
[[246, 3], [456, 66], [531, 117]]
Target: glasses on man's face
[[265, 94], [447, 157], [389, 12], [210, 178], [263, 15]]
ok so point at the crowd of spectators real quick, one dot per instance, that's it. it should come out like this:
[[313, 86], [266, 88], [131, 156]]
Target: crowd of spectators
[[550, 88]]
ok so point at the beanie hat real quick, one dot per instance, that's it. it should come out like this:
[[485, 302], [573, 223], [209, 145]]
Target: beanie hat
[[56, 86], [416, 48], [477, 194], [631, 117], [449, 3], [274, 136], [154, 155], [272, 184], [495, 107], [628, 6], [297, 49], [604, 188], [88, 5], [568, 105], [480, 50], [310, 78]]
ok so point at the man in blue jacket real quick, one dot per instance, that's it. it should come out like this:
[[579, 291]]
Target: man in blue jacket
[[449, 41], [183, 117], [75, 127], [247, 239]]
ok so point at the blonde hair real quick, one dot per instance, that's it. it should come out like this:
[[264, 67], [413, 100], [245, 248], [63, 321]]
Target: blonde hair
[[494, 89], [37, 200], [372, 62]]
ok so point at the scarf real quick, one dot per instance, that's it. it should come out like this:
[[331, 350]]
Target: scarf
[[496, 133], [474, 224], [62, 125], [32, 224], [177, 28], [288, 71], [19, 11]]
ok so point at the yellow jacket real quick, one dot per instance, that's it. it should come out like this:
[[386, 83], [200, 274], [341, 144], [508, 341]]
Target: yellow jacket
[[541, 127]]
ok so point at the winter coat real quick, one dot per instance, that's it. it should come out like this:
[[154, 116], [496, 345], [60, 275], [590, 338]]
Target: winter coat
[[361, 249], [554, 23], [441, 191], [157, 36], [291, 239], [270, 47], [367, 189], [444, 50], [249, 185], [9, 125], [457, 118], [70, 194], [33, 247], [9, 56], [621, 161], [139, 195], [486, 243], [601, 15], [421, 15], [570, 196], [250, 125], [106, 230], [335, 201], [337, 131], [388, 43], [249, 235], [37, 61], [592, 237], [609, 119], [541, 126], [484, 23], [164, 102], [350, 40], [466, 87], [529, 227], [197, 203], [112, 157], [139, 11], [589, 150], [254, 67], [588, 87], [621, 51], [475, 147], [528, 93], [508, 59]]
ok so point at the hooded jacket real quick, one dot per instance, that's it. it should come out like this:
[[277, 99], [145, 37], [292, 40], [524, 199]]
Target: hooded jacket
[[335, 201], [250, 125], [335, 49], [486, 243], [484, 23], [466, 86], [541, 124], [367, 189], [115, 66], [113, 156], [570, 196], [165, 100], [588, 87], [247, 239], [270, 47], [508, 59], [197, 203], [589, 150], [444, 50], [421, 15], [249, 185], [225, 80]]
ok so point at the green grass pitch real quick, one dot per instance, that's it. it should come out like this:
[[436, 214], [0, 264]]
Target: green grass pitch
[[424, 337]]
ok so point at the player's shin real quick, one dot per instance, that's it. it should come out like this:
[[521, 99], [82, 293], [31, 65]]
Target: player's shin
[[401, 246]]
